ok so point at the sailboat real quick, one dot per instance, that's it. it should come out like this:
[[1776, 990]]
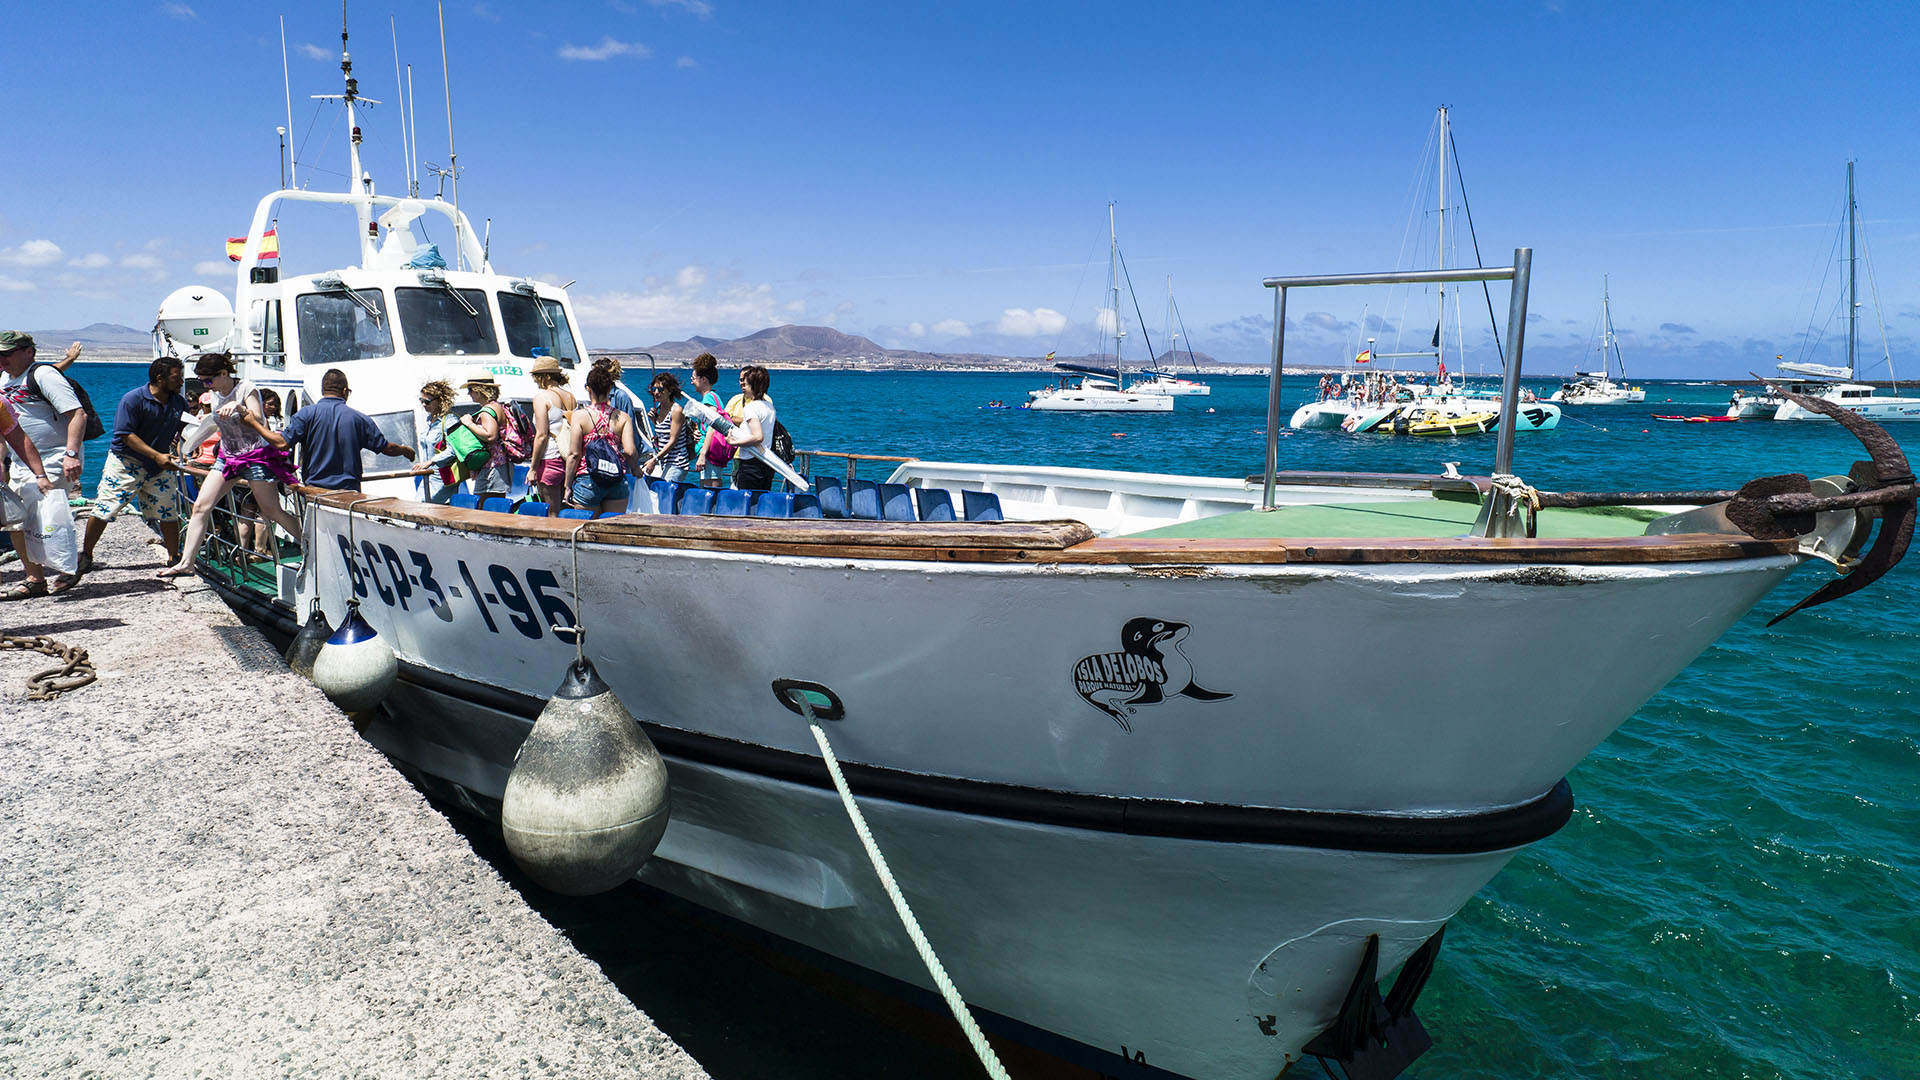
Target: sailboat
[[1444, 406], [1090, 388], [1824, 381], [1594, 387], [1166, 381]]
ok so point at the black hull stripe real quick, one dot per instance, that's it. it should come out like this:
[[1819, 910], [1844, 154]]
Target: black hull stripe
[[1460, 834]]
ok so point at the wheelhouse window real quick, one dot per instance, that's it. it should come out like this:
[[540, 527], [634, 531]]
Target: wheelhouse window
[[341, 325], [536, 322], [446, 322]]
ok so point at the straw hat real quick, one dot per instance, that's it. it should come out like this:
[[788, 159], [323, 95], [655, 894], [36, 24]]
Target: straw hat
[[485, 380], [546, 364]]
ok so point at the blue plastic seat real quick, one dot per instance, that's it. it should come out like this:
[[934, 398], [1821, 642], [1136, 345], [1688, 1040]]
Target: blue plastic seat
[[531, 508], [981, 506], [573, 512], [896, 502], [934, 504], [463, 500], [863, 500], [695, 500], [774, 504], [498, 504], [832, 495], [806, 505], [666, 494], [732, 502]]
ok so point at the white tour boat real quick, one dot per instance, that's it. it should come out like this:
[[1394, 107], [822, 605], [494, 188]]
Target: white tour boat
[[1596, 387], [1101, 722], [1825, 381]]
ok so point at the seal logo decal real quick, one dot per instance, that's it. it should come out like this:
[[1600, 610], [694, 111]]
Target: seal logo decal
[[1149, 666]]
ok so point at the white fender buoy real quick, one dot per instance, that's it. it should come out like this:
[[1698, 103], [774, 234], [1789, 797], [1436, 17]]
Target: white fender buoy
[[306, 644], [587, 800], [355, 669]]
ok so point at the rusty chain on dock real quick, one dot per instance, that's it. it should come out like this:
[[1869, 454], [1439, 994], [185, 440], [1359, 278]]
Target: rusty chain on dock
[[74, 672]]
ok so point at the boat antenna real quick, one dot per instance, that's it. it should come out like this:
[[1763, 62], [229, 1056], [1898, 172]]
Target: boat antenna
[[453, 158], [286, 82], [413, 139], [282, 133], [400, 90]]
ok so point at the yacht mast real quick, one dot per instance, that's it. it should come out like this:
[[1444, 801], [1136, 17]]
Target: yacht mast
[[1439, 339], [1853, 300], [1113, 276], [1173, 339]]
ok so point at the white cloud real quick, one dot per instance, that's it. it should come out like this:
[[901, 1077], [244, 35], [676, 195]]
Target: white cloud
[[1103, 321], [8, 284], [212, 268], [724, 310], [606, 50], [692, 7], [1040, 322], [93, 261], [140, 262], [690, 277], [950, 328], [686, 62], [915, 329], [799, 307], [312, 51], [178, 11], [32, 253]]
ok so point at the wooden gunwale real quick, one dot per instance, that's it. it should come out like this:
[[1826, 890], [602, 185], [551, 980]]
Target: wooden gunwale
[[1043, 542]]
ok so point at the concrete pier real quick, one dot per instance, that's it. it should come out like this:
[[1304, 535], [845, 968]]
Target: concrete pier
[[205, 872]]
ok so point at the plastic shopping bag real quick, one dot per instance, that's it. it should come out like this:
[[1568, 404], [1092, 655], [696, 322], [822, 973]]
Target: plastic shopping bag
[[51, 541]]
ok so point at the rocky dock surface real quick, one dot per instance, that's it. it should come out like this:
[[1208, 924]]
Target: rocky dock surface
[[205, 872]]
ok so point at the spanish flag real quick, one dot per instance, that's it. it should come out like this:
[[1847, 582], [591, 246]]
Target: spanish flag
[[269, 245], [1050, 356], [1365, 357]]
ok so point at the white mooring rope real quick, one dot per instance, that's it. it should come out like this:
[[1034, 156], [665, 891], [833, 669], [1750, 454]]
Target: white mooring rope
[[934, 968]]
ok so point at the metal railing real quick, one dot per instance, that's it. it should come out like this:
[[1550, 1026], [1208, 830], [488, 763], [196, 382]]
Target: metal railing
[[803, 461], [1518, 273], [224, 548]]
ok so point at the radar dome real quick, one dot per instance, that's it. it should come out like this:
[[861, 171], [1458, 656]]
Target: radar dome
[[196, 319]]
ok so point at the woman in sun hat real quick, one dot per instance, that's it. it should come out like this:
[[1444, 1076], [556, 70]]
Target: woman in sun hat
[[552, 404]]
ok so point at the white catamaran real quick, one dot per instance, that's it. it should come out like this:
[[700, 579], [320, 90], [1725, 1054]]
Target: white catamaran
[[1824, 381], [1108, 743]]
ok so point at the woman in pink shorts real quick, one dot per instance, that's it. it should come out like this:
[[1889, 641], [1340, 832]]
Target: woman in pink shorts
[[552, 404]]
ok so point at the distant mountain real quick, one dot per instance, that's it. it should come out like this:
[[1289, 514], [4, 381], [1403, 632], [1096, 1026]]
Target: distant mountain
[[823, 346], [99, 333]]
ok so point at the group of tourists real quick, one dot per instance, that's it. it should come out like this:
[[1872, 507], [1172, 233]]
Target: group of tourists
[[586, 453], [44, 422], [582, 453]]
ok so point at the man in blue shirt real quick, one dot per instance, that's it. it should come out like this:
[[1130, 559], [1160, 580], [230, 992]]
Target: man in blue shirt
[[140, 465], [331, 435]]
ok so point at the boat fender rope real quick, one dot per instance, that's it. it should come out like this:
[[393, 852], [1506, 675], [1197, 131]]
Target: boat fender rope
[[74, 672], [1519, 494], [934, 968]]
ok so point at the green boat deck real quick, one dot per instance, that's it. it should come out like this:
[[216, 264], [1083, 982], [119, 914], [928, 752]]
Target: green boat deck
[[1424, 518]]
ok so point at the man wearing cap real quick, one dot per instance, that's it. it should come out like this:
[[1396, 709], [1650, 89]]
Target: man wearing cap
[[140, 464], [331, 434], [49, 412]]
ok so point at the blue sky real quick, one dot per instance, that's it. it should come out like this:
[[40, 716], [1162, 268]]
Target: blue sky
[[936, 176]]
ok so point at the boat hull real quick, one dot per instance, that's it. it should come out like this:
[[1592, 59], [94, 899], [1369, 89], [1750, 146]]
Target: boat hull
[[1113, 401], [1191, 874]]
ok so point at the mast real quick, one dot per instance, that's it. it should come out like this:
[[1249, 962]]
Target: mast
[[1173, 340], [1439, 338], [1606, 336], [358, 182], [1113, 277], [1853, 300]]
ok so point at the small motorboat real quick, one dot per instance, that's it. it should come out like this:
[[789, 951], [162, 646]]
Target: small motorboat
[[1697, 419]]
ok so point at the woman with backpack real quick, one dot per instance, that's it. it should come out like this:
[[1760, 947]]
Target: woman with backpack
[[489, 423], [672, 431], [599, 449]]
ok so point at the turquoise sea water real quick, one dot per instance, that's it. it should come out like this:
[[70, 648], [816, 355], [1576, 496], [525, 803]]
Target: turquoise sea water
[[1737, 896]]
